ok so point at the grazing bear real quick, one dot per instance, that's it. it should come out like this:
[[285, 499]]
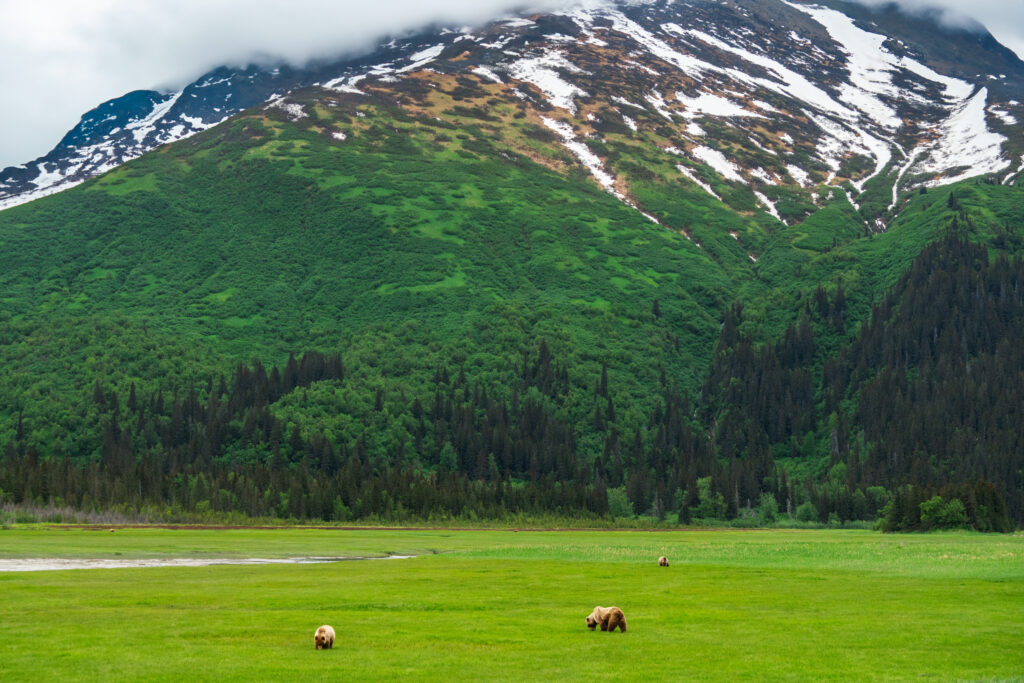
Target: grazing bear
[[662, 561], [608, 618], [324, 638]]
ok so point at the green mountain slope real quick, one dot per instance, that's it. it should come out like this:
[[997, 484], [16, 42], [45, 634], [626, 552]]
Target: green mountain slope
[[439, 260], [261, 238]]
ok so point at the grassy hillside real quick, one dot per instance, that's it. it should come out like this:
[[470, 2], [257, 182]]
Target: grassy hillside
[[260, 238]]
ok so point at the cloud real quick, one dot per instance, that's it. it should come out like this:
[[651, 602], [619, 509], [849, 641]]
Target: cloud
[[1004, 19], [61, 58], [950, 15]]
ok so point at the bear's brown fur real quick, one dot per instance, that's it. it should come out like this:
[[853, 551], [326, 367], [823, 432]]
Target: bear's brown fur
[[662, 561], [324, 638], [608, 618]]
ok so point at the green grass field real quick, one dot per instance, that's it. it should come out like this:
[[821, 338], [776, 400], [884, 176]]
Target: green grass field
[[501, 605]]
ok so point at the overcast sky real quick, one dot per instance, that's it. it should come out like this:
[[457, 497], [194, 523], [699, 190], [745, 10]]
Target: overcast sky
[[61, 58]]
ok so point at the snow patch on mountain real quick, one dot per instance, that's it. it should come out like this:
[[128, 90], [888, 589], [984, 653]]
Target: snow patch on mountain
[[294, 110], [799, 175], [621, 100], [768, 205], [1013, 174], [579, 150], [763, 175], [719, 162], [194, 122], [692, 177], [1004, 116], [869, 62], [792, 84], [659, 104], [346, 84], [143, 127], [713, 105], [26, 197], [911, 160], [46, 178], [839, 141], [422, 58], [688, 64], [484, 72], [542, 72], [965, 142], [956, 90]]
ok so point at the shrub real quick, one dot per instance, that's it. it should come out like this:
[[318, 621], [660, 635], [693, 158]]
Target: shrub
[[939, 514], [712, 503], [767, 508], [618, 503], [806, 512]]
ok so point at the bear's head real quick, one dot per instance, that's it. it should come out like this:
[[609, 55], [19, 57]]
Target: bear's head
[[592, 620], [321, 639]]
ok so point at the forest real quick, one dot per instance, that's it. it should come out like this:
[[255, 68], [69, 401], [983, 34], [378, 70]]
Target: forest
[[920, 413]]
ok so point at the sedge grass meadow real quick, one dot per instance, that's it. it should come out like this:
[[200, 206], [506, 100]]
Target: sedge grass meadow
[[507, 605]]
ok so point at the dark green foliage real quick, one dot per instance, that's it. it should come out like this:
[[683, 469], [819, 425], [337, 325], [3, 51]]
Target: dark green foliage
[[976, 506], [224, 450], [928, 392]]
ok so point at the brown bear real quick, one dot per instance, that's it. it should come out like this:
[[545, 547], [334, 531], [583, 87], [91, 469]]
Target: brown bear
[[608, 618], [662, 561], [324, 638]]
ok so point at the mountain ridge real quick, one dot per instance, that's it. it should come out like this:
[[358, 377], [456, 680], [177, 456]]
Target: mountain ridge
[[712, 35]]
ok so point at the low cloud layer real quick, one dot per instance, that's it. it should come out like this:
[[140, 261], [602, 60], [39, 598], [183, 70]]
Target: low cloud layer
[[61, 58], [1004, 19]]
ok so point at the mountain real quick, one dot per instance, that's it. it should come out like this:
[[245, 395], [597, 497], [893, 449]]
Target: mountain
[[906, 105], [127, 127], [649, 252]]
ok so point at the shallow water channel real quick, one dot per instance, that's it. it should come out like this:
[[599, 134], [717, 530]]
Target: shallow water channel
[[40, 564]]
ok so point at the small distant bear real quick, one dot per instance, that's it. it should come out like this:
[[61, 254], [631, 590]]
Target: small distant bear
[[662, 561], [324, 638], [608, 618]]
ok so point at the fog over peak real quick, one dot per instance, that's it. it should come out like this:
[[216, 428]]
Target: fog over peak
[[1003, 18]]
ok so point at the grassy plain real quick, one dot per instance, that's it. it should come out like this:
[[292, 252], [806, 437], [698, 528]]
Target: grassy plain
[[504, 605]]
